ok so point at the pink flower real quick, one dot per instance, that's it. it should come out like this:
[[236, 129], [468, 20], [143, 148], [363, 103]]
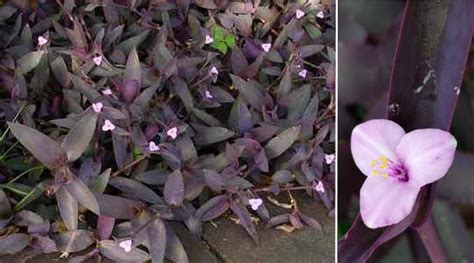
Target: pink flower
[[266, 46], [329, 158], [208, 94], [97, 107], [108, 126], [153, 147], [318, 186], [209, 39], [126, 245], [255, 203], [173, 133], [320, 14], [107, 92], [303, 73], [97, 60], [42, 40], [214, 70], [397, 164], [300, 13]]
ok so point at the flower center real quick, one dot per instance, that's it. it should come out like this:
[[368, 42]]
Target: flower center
[[388, 168]]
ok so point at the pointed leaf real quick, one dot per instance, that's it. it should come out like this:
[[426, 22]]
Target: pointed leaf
[[29, 61], [45, 149], [278, 145], [213, 208], [210, 135], [116, 206], [83, 195], [240, 118], [74, 241], [68, 208], [174, 189], [157, 240], [79, 136], [132, 69], [111, 250], [13, 244]]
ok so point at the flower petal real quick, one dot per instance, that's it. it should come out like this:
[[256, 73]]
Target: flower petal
[[426, 154], [374, 139], [386, 201]]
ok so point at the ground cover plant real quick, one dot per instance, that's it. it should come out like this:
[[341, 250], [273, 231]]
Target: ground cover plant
[[119, 117]]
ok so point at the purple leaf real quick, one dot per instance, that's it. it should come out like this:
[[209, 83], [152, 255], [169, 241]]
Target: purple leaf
[[45, 149], [112, 250], [135, 190], [68, 208], [213, 208], [214, 180], [240, 118], [245, 220], [5, 210], [29, 61], [132, 69], [13, 244], [174, 189], [43, 244], [210, 135], [249, 92], [174, 249], [153, 177], [278, 145], [74, 241], [261, 161], [278, 220], [79, 136], [130, 90], [116, 207], [105, 226], [82, 194], [157, 240], [313, 223]]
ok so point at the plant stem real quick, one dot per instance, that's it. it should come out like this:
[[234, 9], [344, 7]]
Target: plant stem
[[129, 165], [13, 189], [430, 237], [25, 172]]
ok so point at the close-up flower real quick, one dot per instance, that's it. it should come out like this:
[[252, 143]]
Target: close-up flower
[[397, 164]]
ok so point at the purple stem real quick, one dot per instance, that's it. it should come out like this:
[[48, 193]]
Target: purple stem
[[432, 241]]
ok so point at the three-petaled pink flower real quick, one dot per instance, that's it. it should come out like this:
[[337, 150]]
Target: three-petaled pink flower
[[208, 39], [107, 92], [266, 46], [320, 14], [173, 133], [318, 186], [208, 94], [329, 158], [153, 147], [303, 73], [108, 126], [97, 107], [126, 245], [299, 13], [42, 41], [214, 70], [97, 60], [397, 164], [255, 203]]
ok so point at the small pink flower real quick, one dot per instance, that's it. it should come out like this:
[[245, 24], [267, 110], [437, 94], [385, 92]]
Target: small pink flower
[[108, 126], [107, 92], [42, 40], [397, 164], [329, 158], [300, 13], [126, 245], [266, 46], [320, 14], [153, 147], [208, 94], [303, 73], [209, 39], [97, 60], [319, 186], [97, 107], [214, 70], [173, 133], [255, 203]]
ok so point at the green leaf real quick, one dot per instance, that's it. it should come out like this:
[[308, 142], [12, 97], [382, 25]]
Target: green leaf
[[45, 149], [230, 40], [220, 45], [79, 136], [217, 33]]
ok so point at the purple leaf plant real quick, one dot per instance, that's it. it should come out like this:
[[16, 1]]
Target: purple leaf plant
[[123, 116]]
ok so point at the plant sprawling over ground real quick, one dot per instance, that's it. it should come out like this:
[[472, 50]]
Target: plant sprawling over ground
[[121, 116]]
